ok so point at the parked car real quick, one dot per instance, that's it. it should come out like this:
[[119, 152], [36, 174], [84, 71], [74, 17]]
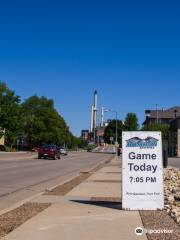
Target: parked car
[[49, 151], [63, 151]]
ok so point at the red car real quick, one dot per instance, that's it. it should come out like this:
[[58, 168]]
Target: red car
[[49, 151]]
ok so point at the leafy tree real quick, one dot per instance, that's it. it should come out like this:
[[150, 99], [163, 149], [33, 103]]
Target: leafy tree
[[71, 141], [164, 129], [35, 121], [82, 143], [131, 122], [42, 123], [10, 114], [110, 131]]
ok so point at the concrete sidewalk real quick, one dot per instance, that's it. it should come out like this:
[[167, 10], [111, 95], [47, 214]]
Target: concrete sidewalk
[[91, 211], [9, 156]]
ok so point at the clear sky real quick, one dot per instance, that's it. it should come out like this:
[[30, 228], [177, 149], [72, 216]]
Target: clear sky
[[128, 50]]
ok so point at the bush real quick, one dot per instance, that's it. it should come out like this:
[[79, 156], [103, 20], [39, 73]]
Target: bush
[[91, 147], [5, 148], [2, 148]]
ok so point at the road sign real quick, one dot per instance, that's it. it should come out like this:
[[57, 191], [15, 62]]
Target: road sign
[[142, 171], [111, 139]]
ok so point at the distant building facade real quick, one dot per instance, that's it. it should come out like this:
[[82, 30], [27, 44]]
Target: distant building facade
[[89, 136], [100, 135], [169, 117], [161, 116], [174, 137], [85, 134]]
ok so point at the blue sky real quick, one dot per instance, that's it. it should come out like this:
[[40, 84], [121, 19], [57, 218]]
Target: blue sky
[[128, 50]]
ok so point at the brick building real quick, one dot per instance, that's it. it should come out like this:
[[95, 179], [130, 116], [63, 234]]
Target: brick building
[[174, 137], [85, 134], [161, 116]]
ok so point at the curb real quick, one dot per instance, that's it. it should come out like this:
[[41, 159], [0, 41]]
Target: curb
[[18, 158], [88, 170], [18, 204]]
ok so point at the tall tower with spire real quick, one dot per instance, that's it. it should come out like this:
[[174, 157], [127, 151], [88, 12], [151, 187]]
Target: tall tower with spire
[[94, 115]]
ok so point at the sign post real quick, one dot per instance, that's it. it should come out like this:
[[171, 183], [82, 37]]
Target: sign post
[[142, 171], [111, 139]]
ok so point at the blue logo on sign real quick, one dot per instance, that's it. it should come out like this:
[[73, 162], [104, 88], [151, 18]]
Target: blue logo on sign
[[148, 142]]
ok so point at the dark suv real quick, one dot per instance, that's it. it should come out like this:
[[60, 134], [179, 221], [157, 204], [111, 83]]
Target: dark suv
[[49, 151]]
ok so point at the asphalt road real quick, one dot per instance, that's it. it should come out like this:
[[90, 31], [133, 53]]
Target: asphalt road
[[23, 178]]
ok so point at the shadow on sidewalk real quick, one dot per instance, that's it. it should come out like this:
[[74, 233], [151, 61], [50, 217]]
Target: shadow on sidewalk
[[108, 204]]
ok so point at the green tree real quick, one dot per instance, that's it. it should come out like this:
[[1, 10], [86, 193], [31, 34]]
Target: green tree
[[35, 121], [131, 122], [42, 123], [110, 131], [164, 129], [82, 143], [10, 114]]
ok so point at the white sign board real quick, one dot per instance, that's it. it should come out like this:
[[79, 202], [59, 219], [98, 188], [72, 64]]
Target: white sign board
[[111, 139], [142, 171]]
